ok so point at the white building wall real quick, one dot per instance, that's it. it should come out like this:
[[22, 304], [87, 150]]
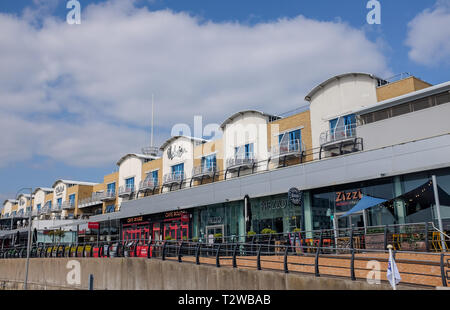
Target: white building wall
[[8, 207], [59, 191], [129, 168], [23, 203], [182, 150], [39, 198], [245, 129], [340, 97]]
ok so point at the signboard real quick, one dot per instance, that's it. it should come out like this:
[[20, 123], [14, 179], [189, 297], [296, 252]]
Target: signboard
[[59, 190], [135, 219], [295, 196], [185, 218], [175, 151], [93, 225], [173, 214], [348, 197]]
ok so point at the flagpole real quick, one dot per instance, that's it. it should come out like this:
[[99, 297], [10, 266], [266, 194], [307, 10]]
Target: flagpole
[[390, 265]]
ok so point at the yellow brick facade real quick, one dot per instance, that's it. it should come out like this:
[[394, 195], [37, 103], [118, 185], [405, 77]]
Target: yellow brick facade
[[205, 149], [400, 88]]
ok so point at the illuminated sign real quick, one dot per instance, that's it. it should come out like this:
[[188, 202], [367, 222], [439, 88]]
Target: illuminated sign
[[174, 214]]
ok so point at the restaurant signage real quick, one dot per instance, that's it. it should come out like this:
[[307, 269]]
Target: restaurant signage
[[295, 196], [59, 190], [93, 225], [344, 198], [173, 214], [135, 219]]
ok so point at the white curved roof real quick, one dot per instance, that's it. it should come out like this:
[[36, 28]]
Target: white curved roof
[[73, 182], [45, 189], [237, 114], [173, 138], [337, 77], [142, 156]]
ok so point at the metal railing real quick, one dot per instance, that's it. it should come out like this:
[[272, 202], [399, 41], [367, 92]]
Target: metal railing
[[203, 170], [148, 184], [290, 147], [173, 178], [126, 190], [338, 134], [419, 269], [67, 205], [236, 162], [108, 195]]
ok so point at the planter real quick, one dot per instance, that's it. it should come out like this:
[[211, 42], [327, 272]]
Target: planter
[[413, 246]]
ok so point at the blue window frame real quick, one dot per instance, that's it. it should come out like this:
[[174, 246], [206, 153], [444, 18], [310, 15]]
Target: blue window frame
[[295, 138], [209, 162], [111, 187], [155, 176], [248, 151], [38, 207], [59, 202], [49, 204], [346, 124], [109, 209], [178, 169], [129, 183], [14, 213], [72, 199]]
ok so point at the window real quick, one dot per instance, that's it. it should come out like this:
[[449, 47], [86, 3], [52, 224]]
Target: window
[[401, 109], [110, 208], [178, 170], [111, 188], [129, 183], [72, 199], [152, 177], [38, 207], [59, 202], [290, 140], [245, 151], [443, 98], [380, 115], [420, 104], [49, 204], [209, 162]]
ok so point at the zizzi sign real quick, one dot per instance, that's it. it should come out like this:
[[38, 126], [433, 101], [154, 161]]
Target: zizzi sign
[[59, 190], [348, 197]]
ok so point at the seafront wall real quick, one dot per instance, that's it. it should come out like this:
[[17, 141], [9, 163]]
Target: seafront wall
[[148, 274]]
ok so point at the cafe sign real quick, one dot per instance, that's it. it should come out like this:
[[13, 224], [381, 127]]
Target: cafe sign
[[295, 196], [174, 214], [134, 219]]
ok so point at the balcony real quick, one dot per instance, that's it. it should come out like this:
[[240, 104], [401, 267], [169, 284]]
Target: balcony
[[148, 184], [95, 199], [174, 178], [66, 205], [338, 135], [343, 139], [126, 191], [288, 149], [108, 195], [239, 163], [200, 172], [56, 209]]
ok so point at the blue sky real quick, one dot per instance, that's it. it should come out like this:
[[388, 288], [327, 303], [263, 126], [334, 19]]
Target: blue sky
[[74, 99]]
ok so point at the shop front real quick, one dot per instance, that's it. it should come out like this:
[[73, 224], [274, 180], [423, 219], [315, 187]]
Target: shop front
[[173, 225], [277, 213]]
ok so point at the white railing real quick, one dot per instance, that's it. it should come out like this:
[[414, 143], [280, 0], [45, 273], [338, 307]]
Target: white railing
[[108, 195], [148, 183], [287, 147], [241, 161], [338, 134], [175, 177], [67, 205], [203, 170], [56, 208], [125, 190]]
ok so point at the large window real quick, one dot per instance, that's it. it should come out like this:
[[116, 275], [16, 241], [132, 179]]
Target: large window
[[343, 126], [209, 162], [111, 188], [245, 151], [72, 199], [129, 183], [178, 170], [290, 140], [59, 202], [38, 207]]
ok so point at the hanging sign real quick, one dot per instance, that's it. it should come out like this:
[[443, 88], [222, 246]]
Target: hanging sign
[[295, 196]]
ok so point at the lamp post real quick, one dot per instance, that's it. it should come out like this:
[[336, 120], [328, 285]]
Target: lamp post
[[29, 236]]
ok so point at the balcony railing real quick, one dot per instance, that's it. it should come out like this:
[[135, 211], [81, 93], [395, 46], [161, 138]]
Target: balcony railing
[[338, 134], [148, 184], [288, 148], [203, 171], [125, 190], [108, 195], [95, 199], [235, 163], [67, 205], [56, 209], [173, 178]]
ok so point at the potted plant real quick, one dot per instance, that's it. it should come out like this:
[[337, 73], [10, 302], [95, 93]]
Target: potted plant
[[413, 242], [268, 239], [218, 238]]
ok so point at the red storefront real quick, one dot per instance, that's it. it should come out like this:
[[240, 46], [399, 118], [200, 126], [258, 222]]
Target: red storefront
[[175, 224]]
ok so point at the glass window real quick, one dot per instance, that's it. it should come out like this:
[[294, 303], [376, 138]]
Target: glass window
[[443, 98], [420, 104], [59, 202], [380, 115], [209, 162], [401, 109], [38, 207], [129, 183], [178, 170], [72, 199], [111, 187]]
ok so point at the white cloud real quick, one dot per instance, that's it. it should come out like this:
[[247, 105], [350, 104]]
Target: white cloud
[[82, 93], [429, 35]]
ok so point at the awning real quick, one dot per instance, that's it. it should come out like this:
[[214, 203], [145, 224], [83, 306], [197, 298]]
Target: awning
[[365, 203]]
